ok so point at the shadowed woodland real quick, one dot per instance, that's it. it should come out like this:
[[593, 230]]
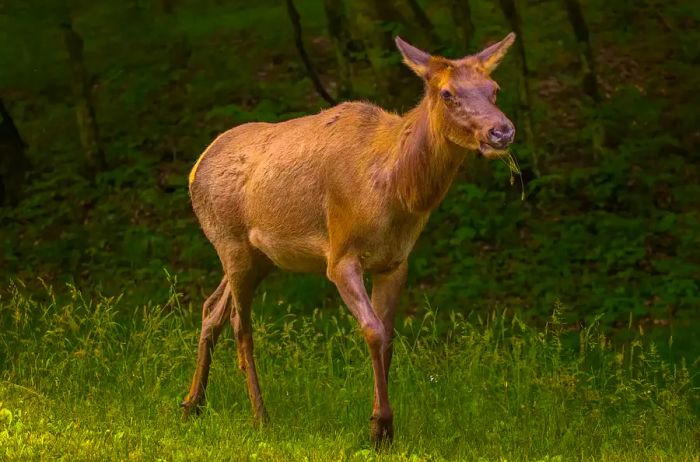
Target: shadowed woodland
[[105, 106]]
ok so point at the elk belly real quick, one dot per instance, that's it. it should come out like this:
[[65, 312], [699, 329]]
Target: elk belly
[[305, 254]]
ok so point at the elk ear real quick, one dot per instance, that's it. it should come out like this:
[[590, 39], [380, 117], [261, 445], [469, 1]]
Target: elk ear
[[491, 56], [416, 59]]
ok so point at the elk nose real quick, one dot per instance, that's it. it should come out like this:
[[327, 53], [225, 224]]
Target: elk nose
[[502, 135]]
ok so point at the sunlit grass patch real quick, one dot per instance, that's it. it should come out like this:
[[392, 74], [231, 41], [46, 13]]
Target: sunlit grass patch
[[95, 380]]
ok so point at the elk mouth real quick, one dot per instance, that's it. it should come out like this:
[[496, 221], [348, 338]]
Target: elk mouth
[[491, 151]]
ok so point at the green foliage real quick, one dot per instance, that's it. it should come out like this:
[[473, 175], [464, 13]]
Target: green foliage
[[612, 232], [93, 378]]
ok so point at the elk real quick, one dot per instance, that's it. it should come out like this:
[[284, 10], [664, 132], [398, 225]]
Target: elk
[[345, 191]]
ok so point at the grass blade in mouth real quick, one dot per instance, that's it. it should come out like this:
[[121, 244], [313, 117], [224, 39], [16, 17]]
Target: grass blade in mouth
[[514, 167]]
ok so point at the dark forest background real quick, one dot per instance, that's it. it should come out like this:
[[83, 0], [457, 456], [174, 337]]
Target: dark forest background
[[106, 105]]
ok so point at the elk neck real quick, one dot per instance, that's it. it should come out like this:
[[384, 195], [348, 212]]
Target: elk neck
[[424, 161]]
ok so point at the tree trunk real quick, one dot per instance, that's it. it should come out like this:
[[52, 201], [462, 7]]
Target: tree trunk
[[85, 111], [578, 22], [369, 24], [588, 72], [339, 31], [423, 22], [510, 10], [462, 15], [13, 161], [296, 24], [166, 6]]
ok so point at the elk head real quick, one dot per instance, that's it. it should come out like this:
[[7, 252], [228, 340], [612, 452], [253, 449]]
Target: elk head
[[462, 95]]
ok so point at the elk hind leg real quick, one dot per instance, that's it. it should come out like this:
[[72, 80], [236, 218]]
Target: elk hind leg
[[214, 314], [246, 268]]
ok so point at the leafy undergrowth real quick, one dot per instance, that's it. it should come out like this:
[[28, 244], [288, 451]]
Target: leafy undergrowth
[[83, 381], [616, 231]]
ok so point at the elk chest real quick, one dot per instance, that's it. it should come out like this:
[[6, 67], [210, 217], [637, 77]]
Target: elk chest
[[388, 245]]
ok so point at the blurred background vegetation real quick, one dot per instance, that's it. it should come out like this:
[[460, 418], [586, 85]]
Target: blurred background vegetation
[[106, 105]]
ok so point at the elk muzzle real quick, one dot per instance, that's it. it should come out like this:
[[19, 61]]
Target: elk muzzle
[[497, 139]]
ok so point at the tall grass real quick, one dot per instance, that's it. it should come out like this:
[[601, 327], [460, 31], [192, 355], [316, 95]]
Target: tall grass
[[95, 380]]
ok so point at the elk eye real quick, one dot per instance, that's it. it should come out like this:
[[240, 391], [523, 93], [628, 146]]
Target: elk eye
[[446, 94]]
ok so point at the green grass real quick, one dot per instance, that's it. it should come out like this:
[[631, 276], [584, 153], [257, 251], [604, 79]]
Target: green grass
[[83, 380]]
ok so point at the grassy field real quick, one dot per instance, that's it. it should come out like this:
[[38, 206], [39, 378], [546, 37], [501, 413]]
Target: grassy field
[[612, 234], [82, 381]]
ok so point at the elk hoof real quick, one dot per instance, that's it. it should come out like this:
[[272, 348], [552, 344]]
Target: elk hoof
[[261, 419], [381, 430], [190, 409]]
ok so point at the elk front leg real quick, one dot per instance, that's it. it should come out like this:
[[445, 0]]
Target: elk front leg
[[347, 276], [214, 313], [386, 291]]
